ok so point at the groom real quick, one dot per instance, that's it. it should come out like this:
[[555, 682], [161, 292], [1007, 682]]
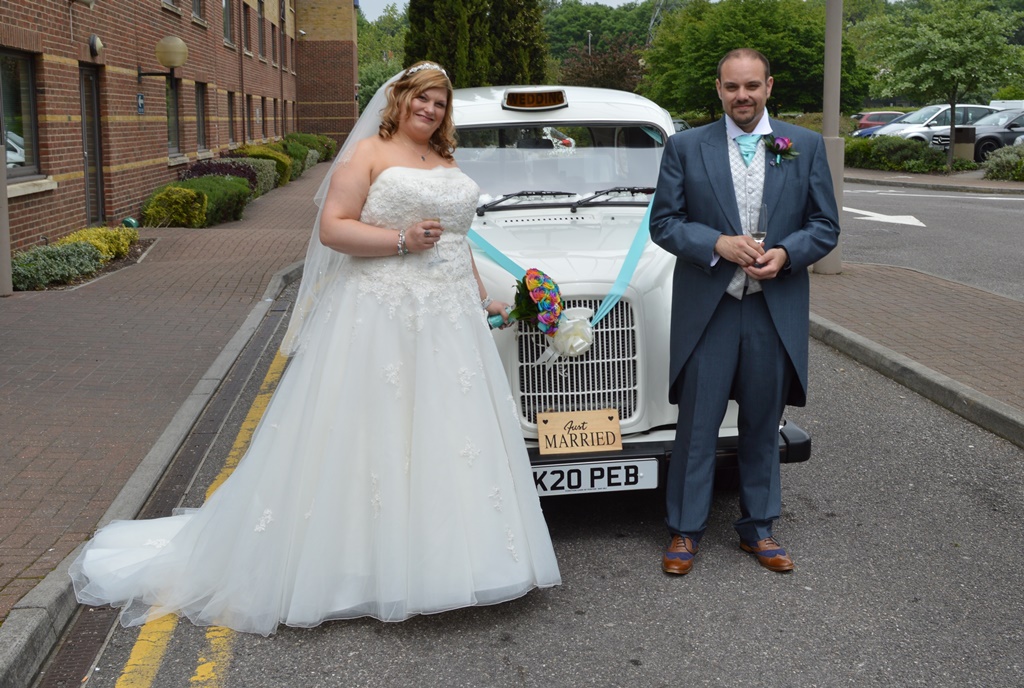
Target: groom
[[739, 309]]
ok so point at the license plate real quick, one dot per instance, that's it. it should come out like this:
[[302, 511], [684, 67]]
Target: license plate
[[596, 476]]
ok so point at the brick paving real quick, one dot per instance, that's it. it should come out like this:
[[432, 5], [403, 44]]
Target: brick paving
[[90, 377], [970, 335]]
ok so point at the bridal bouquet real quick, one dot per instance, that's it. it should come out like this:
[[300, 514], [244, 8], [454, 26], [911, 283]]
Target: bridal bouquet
[[538, 301]]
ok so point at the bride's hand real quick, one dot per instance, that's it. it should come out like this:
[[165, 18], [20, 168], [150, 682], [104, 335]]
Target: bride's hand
[[500, 308], [423, 235]]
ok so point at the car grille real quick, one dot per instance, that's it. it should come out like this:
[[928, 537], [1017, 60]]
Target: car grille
[[940, 140], [603, 377]]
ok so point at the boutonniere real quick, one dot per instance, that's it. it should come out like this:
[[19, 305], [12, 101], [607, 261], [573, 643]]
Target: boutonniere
[[780, 147]]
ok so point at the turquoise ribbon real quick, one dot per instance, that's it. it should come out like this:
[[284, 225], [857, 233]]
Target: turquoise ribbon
[[636, 250]]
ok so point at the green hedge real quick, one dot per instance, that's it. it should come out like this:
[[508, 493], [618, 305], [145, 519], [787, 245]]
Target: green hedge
[[265, 169], [294, 150], [324, 145], [174, 206], [1006, 163], [896, 154], [41, 266], [281, 160], [226, 196]]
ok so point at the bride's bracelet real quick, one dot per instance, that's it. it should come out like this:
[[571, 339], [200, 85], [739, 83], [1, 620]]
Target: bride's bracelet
[[485, 302], [402, 248]]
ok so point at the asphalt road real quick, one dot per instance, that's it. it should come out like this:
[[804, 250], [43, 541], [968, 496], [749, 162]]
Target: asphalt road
[[970, 238], [905, 527]]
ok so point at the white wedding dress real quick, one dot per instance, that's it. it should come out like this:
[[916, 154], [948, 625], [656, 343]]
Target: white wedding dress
[[388, 476]]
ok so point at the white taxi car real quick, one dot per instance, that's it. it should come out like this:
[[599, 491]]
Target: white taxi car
[[566, 176]]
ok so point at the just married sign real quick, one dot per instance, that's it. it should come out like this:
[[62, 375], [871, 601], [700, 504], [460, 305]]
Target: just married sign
[[579, 431]]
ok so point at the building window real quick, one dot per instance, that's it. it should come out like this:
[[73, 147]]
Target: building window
[[201, 116], [20, 127], [277, 127], [273, 44], [246, 37], [251, 133], [263, 116], [173, 123], [231, 117], [229, 24], [260, 28], [197, 8]]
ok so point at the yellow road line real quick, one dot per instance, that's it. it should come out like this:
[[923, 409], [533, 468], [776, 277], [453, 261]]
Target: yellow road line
[[147, 653], [149, 649]]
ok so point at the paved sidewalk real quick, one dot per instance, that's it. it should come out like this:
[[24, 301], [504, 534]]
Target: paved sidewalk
[[99, 385]]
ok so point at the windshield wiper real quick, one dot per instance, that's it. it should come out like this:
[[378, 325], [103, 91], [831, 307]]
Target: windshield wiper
[[631, 190], [519, 194]]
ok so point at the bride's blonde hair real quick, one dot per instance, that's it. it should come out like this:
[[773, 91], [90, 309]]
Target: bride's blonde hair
[[417, 79]]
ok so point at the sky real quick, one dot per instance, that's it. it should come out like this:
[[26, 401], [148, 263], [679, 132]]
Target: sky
[[372, 8]]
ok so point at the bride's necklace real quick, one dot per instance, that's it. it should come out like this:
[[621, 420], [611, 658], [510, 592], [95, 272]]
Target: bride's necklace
[[423, 156]]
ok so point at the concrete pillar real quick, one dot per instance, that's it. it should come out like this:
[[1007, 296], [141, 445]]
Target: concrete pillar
[[835, 146]]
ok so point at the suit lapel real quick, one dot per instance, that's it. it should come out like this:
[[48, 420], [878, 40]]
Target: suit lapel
[[774, 184], [716, 163]]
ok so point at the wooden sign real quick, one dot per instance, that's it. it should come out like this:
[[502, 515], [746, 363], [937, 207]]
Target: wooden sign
[[579, 431]]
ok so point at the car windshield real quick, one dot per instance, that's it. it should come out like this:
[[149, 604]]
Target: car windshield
[[575, 158], [923, 115], [997, 119]]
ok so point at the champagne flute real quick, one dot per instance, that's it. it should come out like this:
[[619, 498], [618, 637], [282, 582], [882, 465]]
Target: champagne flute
[[759, 230], [437, 252]]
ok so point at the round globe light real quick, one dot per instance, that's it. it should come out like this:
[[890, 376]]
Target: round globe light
[[171, 51]]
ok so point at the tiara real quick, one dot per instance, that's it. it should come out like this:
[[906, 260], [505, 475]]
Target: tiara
[[426, 65]]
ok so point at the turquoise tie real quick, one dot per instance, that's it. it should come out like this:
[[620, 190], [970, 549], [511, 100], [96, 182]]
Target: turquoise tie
[[748, 146]]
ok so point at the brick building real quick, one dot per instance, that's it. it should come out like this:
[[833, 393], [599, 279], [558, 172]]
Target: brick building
[[93, 122]]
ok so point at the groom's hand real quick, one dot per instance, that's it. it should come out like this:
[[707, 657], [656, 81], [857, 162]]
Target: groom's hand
[[741, 249], [769, 265]]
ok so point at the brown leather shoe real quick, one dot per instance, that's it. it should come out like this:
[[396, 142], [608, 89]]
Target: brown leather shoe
[[770, 554], [678, 557]]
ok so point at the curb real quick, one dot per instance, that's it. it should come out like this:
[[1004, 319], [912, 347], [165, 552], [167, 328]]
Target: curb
[[984, 411], [933, 186], [36, 622]]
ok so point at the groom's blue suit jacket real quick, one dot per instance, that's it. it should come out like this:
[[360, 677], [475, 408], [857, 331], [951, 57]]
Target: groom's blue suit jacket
[[695, 202]]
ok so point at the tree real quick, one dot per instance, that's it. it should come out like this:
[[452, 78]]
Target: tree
[[566, 24], [518, 42], [611, 66], [940, 50], [381, 48], [683, 59]]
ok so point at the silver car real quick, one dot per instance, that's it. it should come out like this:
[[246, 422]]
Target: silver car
[[924, 123]]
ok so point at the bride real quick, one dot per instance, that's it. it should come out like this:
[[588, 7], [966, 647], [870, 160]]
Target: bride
[[388, 476]]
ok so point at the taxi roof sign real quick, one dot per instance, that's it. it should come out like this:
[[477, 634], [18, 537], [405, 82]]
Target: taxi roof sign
[[546, 99]]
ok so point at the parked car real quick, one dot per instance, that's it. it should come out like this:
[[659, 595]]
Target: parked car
[[990, 132], [15, 149], [864, 133], [572, 207], [921, 124], [680, 124], [875, 118]]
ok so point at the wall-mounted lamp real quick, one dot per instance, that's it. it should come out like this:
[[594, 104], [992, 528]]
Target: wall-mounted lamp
[[301, 32], [87, 3], [171, 52], [95, 45]]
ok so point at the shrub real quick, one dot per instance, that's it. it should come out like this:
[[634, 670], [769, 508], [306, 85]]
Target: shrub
[[54, 264], [204, 168], [312, 158], [324, 145], [265, 169], [174, 206], [226, 197], [897, 154], [294, 150], [112, 242], [1006, 163], [281, 160]]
